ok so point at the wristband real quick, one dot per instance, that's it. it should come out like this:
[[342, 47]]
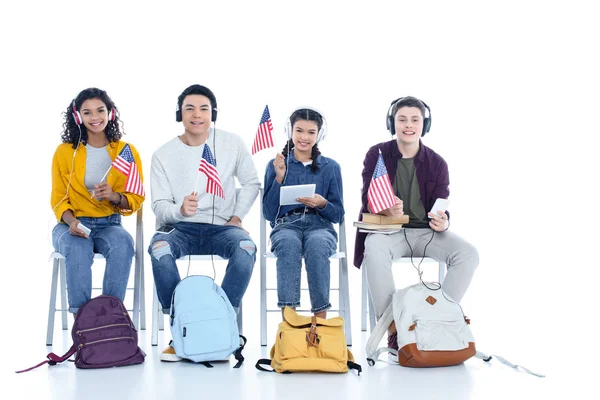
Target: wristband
[[118, 204]]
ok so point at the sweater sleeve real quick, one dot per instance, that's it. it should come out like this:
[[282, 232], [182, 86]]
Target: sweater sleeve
[[164, 206]]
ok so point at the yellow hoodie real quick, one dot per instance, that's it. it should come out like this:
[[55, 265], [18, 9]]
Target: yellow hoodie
[[78, 199]]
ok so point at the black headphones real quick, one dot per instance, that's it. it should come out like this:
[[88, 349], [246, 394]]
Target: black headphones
[[199, 90], [391, 126]]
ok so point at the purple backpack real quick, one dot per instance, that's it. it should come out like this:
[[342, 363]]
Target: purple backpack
[[103, 336]]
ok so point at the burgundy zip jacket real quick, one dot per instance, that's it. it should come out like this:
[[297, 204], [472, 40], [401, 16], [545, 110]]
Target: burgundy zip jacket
[[432, 175]]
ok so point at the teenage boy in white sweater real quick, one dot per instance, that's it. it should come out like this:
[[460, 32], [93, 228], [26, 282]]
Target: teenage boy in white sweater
[[204, 223]]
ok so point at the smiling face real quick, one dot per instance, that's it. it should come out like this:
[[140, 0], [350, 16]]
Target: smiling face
[[196, 114], [408, 123], [94, 114], [304, 136]]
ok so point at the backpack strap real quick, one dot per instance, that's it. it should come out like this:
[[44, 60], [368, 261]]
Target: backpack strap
[[264, 361], [377, 333], [353, 365], [53, 359], [487, 358], [238, 353]]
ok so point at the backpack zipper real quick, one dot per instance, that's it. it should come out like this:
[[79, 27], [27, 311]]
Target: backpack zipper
[[103, 340], [79, 332]]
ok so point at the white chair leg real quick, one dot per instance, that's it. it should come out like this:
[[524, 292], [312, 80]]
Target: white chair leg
[[142, 295], [364, 300], [156, 317], [344, 300], [52, 305], [136, 292], [263, 275], [372, 320], [63, 292]]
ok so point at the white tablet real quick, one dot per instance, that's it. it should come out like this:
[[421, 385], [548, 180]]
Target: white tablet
[[289, 194]]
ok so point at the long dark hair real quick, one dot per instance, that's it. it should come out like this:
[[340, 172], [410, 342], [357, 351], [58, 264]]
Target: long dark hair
[[70, 132], [305, 114]]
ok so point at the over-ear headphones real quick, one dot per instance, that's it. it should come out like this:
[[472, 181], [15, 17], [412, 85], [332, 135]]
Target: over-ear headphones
[[76, 114], [199, 90], [79, 120], [390, 123], [322, 131]]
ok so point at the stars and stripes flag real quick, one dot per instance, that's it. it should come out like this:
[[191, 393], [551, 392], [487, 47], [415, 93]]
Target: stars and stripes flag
[[380, 194], [125, 163], [264, 137], [208, 168]]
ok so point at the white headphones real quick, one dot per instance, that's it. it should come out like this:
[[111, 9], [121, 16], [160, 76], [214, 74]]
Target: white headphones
[[322, 132]]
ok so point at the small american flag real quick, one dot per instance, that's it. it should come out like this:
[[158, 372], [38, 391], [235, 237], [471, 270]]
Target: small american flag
[[264, 138], [125, 163], [207, 166], [380, 194]]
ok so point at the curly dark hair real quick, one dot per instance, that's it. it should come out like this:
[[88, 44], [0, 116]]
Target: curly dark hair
[[71, 130], [305, 114]]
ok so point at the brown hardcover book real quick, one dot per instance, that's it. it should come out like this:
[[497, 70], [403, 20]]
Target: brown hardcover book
[[384, 219]]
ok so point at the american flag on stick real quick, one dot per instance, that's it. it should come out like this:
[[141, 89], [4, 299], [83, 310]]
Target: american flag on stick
[[380, 194], [264, 137], [125, 163], [208, 168]]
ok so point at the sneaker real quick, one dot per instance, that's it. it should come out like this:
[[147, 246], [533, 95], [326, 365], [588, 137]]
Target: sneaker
[[393, 344], [169, 355]]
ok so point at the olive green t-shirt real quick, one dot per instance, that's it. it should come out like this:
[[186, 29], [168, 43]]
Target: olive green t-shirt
[[407, 189]]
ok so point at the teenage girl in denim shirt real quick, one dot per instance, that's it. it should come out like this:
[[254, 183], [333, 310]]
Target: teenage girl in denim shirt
[[306, 229]]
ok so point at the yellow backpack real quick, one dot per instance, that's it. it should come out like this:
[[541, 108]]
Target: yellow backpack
[[309, 344]]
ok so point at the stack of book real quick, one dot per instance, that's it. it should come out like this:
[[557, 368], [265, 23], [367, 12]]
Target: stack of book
[[380, 223]]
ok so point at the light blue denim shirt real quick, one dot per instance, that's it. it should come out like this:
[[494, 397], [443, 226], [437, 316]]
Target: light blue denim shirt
[[328, 179]]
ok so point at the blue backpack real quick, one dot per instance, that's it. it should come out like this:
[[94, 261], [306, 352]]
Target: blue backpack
[[203, 322]]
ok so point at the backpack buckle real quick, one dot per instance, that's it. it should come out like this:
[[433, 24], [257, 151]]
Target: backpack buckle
[[312, 337]]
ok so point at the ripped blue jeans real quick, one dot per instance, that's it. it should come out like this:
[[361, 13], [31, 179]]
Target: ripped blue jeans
[[229, 242]]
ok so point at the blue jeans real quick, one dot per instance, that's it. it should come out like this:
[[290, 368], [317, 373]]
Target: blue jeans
[[109, 238], [313, 238], [229, 242]]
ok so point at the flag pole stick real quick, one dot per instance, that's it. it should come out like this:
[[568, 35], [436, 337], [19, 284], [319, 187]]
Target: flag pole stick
[[106, 173]]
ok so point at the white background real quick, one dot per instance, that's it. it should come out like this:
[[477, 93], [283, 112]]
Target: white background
[[512, 87]]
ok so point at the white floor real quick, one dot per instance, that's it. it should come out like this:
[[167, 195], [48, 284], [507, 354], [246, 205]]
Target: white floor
[[157, 380]]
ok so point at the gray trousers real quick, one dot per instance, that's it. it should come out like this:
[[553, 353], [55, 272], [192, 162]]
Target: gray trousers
[[460, 257]]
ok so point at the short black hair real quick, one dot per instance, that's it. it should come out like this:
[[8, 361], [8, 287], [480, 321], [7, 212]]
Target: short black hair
[[200, 90]]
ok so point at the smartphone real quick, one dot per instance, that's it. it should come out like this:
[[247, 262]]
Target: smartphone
[[165, 229], [84, 228], [440, 205]]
